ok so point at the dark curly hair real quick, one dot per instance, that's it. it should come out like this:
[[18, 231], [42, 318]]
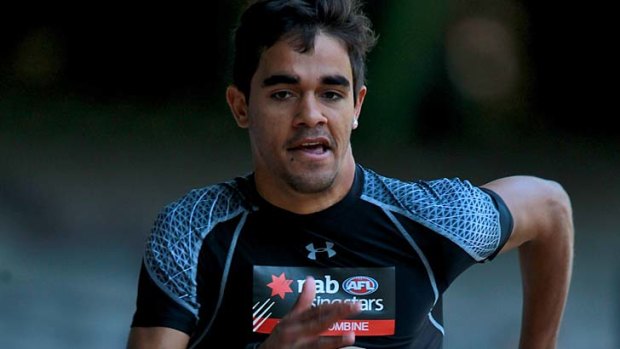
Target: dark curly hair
[[264, 22]]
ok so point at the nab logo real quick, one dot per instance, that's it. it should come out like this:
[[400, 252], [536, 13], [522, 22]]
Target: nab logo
[[327, 249], [360, 285]]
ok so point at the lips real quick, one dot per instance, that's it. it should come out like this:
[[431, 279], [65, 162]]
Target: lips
[[316, 146]]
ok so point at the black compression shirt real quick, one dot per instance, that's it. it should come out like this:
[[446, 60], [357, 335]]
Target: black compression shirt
[[223, 265]]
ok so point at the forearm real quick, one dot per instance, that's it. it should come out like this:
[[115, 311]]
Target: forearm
[[156, 337], [546, 265]]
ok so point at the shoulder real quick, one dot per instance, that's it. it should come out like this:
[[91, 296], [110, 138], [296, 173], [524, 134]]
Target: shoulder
[[174, 243], [423, 194], [214, 203], [195, 214], [453, 207]]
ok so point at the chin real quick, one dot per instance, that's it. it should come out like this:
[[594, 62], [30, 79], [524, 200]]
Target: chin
[[311, 182]]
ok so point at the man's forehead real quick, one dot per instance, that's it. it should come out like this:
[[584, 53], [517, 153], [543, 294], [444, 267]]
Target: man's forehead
[[328, 58]]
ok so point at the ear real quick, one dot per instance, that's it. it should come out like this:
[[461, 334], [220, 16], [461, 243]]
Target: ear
[[358, 105], [238, 106]]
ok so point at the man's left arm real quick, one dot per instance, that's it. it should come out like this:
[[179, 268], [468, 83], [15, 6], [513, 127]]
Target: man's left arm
[[543, 232]]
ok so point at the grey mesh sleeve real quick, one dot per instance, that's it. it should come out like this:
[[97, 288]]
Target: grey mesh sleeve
[[505, 220]]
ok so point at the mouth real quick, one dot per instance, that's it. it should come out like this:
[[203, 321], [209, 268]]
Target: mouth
[[317, 146]]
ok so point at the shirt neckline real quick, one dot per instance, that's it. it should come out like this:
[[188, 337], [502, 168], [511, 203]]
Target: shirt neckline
[[260, 204]]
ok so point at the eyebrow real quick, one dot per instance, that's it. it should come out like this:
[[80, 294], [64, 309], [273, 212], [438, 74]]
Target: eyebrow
[[280, 79], [337, 80]]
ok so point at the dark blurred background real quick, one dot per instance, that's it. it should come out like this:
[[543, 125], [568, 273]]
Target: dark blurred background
[[108, 112]]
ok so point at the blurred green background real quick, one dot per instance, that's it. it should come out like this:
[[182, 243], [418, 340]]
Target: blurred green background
[[107, 113]]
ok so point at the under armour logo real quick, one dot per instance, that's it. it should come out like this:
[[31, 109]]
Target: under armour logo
[[313, 251]]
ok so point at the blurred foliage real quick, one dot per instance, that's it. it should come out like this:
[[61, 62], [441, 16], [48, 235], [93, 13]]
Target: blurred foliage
[[161, 75]]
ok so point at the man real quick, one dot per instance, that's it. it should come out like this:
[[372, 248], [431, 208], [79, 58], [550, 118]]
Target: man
[[312, 250]]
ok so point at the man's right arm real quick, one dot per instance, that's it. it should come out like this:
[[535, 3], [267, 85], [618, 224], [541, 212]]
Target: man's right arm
[[156, 338]]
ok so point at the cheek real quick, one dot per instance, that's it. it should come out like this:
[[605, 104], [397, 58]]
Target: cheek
[[343, 128], [266, 131]]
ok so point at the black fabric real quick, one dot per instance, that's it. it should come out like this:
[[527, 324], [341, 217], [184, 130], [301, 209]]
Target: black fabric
[[363, 234], [154, 308]]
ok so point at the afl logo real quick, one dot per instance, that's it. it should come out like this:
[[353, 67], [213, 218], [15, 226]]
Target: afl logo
[[360, 285]]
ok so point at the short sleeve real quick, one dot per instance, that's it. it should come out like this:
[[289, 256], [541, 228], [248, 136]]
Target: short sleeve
[[505, 220], [154, 308]]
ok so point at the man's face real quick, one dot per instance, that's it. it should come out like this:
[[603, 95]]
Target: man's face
[[300, 115]]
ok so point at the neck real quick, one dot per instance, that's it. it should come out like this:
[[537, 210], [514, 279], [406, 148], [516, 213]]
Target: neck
[[284, 196]]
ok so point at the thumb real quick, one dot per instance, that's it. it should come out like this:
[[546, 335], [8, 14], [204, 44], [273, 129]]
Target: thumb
[[306, 297]]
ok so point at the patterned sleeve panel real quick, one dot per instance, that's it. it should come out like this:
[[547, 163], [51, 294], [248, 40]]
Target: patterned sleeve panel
[[172, 249], [454, 208]]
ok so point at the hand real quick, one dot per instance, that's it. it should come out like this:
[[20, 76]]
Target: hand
[[302, 326]]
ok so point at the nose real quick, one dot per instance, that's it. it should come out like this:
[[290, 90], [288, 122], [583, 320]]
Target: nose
[[310, 113]]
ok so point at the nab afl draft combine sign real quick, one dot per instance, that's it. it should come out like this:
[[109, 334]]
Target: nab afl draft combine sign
[[276, 290]]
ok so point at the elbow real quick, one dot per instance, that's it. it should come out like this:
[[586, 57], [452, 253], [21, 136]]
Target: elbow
[[559, 211]]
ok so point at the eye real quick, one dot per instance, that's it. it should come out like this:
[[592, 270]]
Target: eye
[[332, 95], [281, 95]]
